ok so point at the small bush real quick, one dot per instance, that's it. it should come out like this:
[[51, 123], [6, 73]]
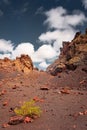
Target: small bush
[[28, 109]]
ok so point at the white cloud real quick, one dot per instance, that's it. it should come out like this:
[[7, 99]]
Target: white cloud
[[44, 52], [56, 37], [2, 56], [84, 3], [23, 48], [63, 24], [55, 17], [48, 36], [43, 65], [6, 46], [58, 18]]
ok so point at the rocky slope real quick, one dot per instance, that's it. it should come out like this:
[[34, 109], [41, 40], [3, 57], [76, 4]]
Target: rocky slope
[[23, 63], [73, 54]]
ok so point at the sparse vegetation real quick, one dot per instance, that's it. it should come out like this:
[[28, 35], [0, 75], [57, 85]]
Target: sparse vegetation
[[28, 109]]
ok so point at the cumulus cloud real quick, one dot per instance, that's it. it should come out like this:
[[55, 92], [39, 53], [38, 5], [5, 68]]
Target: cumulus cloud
[[58, 18], [43, 65], [40, 56], [84, 3], [6, 46], [23, 48], [2, 56], [44, 52], [63, 25], [48, 36], [56, 37]]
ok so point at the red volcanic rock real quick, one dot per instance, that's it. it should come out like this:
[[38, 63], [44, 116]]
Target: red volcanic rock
[[73, 54], [22, 64], [44, 88], [16, 120]]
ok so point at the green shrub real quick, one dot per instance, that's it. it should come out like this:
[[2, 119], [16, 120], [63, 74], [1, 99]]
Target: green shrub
[[28, 109]]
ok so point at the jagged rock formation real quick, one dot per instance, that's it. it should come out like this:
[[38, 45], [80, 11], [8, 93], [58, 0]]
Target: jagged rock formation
[[73, 54], [22, 64]]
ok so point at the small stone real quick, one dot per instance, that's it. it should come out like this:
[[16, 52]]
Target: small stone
[[85, 112], [65, 91], [14, 87], [16, 120], [28, 119], [74, 126], [5, 125], [44, 88], [5, 103], [81, 113]]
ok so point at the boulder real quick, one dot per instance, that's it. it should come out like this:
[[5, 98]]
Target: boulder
[[23, 63]]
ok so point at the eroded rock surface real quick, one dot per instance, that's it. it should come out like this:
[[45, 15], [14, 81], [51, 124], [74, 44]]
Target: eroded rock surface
[[73, 54], [23, 64]]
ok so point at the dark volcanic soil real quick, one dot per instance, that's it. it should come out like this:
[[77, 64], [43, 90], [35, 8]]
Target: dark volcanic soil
[[64, 103]]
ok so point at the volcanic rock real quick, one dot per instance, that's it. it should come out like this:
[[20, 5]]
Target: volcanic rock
[[73, 54], [22, 64]]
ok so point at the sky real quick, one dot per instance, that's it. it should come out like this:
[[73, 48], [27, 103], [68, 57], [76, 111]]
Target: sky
[[38, 27]]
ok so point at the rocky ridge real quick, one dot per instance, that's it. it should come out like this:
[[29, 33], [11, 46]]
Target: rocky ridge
[[21, 64], [73, 54]]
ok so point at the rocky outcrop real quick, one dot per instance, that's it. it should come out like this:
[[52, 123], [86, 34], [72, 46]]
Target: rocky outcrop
[[73, 54], [22, 64]]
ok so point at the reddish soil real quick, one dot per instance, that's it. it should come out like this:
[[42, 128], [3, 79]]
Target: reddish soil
[[63, 99]]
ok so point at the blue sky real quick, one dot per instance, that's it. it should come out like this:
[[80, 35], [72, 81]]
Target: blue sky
[[38, 27]]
